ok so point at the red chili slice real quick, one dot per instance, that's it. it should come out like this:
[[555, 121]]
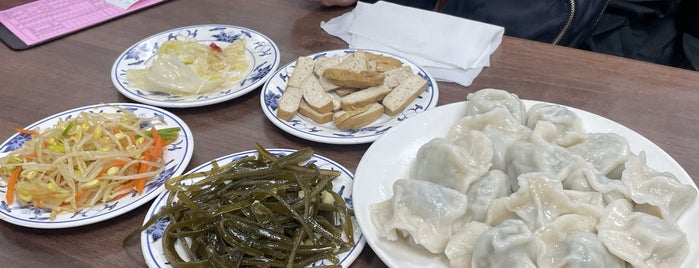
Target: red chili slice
[[215, 47]]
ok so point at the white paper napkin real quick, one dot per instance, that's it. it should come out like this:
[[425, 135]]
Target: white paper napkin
[[451, 49]]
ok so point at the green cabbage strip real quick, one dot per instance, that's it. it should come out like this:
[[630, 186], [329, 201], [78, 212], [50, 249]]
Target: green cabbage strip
[[256, 211]]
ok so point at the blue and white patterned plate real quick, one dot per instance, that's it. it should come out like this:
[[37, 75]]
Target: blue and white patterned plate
[[152, 247], [177, 156], [262, 54], [305, 128]]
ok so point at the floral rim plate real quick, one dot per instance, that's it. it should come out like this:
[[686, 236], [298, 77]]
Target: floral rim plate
[[150, 239], [397, 149], [262, 53], [305, 128], [177, 156]]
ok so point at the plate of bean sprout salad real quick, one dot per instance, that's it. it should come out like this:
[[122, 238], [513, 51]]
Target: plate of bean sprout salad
[[90, 164]]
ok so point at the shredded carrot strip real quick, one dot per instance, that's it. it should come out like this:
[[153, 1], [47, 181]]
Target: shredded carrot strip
[[30, 156], [115, 163], [80, 194], [28, 131], [10, 195], [143, 168], [140, 185], [157, 149]]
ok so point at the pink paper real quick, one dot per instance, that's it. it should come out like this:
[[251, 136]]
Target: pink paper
[[42, 20]]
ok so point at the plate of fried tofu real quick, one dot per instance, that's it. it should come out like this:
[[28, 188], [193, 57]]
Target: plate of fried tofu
[[347, 96]]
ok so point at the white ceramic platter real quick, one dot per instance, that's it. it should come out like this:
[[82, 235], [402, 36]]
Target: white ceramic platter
[[151, 244], [262, 54], [305, 128], [176, 156], [390, 157]]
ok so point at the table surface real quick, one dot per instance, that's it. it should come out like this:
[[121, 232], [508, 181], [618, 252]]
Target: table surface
[[659, 102]]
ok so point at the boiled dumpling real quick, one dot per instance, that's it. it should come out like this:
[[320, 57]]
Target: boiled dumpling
[[587, 178], [507, 245], [658, 193], [498, 125], [557, 230], [570, 241], [526, 157], [453, 165], [545, 132], [487, 99], [579, 179], [460, 247], [492, 186], [606, 151], [583, 250], [499, 212], [641, 239], [541, 199], [567, 125], [593, 199], [426, 212]]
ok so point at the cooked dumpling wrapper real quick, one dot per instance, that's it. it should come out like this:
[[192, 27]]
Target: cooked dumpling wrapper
[[499, 126], [454, 165], [527, 157], [481, 194], [607, 152], [657, 193], [459, 250], [588, 179], [507, 245], [570, 241], [426, 212], [583, 250], [566, 125], [487, 99], [541, 199], [641, 239]]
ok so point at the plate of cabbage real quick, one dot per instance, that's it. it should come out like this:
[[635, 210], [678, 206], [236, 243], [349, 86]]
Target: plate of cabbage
[[496, 181], [90, 164], [262, 207], [195, 65]]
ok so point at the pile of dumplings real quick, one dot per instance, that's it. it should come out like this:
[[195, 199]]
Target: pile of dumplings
[[511, 187]]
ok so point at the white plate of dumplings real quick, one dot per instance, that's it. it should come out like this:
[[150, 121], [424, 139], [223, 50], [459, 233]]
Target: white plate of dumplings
[[547, 234]]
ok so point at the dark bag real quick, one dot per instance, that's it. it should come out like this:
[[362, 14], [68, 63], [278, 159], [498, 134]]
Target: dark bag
[[561, 22], [659, 31]]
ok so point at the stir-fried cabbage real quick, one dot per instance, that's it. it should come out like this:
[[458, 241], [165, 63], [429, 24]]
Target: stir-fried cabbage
[[190, 67]]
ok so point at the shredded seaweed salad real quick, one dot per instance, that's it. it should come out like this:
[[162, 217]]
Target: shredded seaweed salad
[[258, 211]]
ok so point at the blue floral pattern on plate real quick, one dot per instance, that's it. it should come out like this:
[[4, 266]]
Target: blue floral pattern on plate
[[152, 247], [262, 53], [303, 127], [177, 156]]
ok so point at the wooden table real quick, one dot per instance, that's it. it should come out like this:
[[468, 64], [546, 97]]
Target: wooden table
[[661, 103]]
